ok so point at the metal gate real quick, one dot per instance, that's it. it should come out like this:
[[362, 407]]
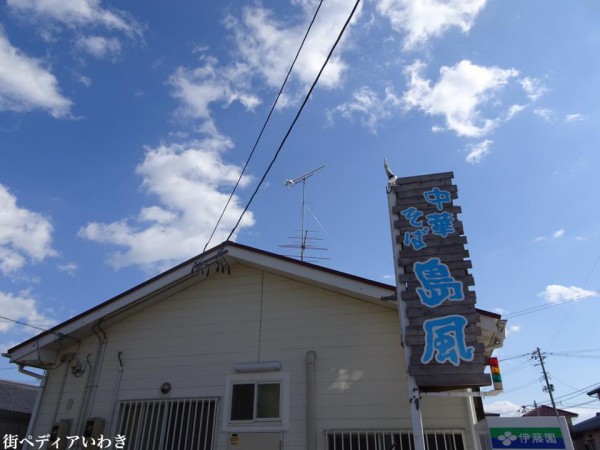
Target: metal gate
[[168, 424]]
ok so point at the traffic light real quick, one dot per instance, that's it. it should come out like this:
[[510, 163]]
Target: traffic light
[[496, 377]]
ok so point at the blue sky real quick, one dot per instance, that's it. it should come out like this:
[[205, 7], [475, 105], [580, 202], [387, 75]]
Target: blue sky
[[124, 126]]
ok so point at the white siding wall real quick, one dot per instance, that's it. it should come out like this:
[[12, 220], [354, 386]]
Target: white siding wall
[[193, 339]]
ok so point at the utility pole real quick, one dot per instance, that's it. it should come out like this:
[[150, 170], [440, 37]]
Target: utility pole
[[414, 398], [537, 354]]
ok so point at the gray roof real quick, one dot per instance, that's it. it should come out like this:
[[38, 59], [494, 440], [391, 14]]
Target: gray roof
[[587, 425], [17, 397]]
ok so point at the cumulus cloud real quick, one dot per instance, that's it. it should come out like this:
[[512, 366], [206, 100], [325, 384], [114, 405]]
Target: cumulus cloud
[[26, 85], [68, 268], [555, 293], [558, 233], [369, 106], [504, 408], [192, 183], [100, 47], [422, 20], [458, 96], [513, 329], [24, 308], [198, 88], [24, 235], [478, 151], [76, 13], [577, 117], [533, 87], [267, 45], [545, 113]]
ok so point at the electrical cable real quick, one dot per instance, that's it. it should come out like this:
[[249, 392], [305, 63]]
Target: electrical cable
[[264, 125], [542, 307], [305, 101], [23, 323]]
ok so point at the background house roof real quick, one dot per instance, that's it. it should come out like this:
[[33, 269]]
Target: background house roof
[[587, 425], [547, 411], [17, 397]]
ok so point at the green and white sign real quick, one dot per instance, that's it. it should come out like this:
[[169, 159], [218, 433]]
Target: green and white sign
[[539, 433], [530, 437]]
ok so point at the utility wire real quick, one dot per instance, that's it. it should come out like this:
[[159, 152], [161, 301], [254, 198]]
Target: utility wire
[[296, 117], [534, 309], [264, 125], [23, 323]]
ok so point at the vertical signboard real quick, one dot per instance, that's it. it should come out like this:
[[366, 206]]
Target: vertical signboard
[[443, 325]]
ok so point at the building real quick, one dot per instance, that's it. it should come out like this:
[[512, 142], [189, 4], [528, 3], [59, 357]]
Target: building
[[586, 434], [548, 411], [16, 404], [242, 349]]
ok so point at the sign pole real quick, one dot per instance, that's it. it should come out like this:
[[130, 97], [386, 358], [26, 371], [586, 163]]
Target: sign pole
[[413, 388]]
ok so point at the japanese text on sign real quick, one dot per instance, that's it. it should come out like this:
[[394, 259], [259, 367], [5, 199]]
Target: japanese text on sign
[[445, 339]]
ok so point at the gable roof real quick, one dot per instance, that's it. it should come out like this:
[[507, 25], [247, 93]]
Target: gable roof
[[17, 397], [41, 350], [587, 425], [547, 411]]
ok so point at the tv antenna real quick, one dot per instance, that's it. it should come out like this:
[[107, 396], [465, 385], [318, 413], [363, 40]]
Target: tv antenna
[[303, 232]]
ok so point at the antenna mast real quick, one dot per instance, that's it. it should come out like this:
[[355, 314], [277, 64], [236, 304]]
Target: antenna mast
[[290, 183]]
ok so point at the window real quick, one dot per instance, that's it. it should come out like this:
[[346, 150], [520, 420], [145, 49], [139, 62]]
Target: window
[[390, 439], [256, 402], [168, 424]]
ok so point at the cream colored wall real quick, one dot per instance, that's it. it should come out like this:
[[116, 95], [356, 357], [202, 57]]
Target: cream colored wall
[[193, 339]]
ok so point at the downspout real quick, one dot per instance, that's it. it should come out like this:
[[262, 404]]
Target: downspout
[[311, 403], [62, 390], [92, 384], [116, 397], [38, 399]]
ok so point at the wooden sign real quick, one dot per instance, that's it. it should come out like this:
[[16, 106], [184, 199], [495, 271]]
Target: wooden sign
[[443, 330]]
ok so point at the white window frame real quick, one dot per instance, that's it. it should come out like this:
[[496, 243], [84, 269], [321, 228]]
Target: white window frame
[[258, 424]]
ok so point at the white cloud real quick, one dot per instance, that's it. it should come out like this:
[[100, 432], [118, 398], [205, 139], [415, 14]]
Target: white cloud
[[545, 113], [504, 408], [24, 308], [24, 235], [26, 85], [422, 20], [368, 105], [267, 45], [533, 87], [478, 151], [514, 110], [558, 233], [458, 96], [100, 47], [513, 329], [539, 239], [577, 117], [76, 13], [192, 184], [68, 268], [198, 88], [555, 293]]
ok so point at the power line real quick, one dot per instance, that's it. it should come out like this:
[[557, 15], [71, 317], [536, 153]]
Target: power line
[[264, 124], [296, 117], [534, 309], [23, 323]]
